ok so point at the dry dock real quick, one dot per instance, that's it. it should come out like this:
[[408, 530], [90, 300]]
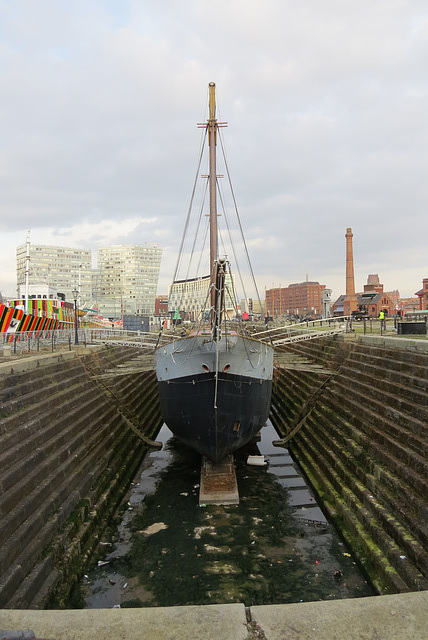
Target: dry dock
[[362, 441]]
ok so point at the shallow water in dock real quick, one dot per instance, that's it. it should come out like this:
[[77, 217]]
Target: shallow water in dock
[[275, 547]]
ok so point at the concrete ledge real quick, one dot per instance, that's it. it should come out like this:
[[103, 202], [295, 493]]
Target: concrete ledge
[[19, 363], [398, 617], [222, 622], [395, 617], [395, 342]]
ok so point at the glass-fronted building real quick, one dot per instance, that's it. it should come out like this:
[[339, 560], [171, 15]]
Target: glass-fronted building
[[52, 267], [190, 297], [126, 279]]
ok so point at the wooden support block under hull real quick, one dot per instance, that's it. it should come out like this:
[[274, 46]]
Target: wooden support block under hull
[[218, 482]]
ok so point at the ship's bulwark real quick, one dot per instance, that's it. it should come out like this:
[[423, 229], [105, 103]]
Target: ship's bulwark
[[215, 416], [188, 408]]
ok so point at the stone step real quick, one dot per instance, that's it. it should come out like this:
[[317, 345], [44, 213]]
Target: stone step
[[37, 396], [27, 382], [368, 394], [94, 453], [37, 513], [29, 588], [325, 351], [391, 362], [413, 400], [376, 445], [109, 358], [129, 387], [398, 425], [35, 425], [374, 474], [142, 409], [68, 545], [301, 384], [404, 427], [16, 481], [79, 438], [139, 404], [33, 376], [373, 489], [410, 379], [369, 513], [139, 408], [126, 388], [343, 510], [364, 447], [389, 355], [293, 393]]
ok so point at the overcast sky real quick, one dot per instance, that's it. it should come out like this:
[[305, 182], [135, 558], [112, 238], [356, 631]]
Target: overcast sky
[[327, 107]]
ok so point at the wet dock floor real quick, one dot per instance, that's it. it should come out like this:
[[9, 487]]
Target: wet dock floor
[[276, 546]]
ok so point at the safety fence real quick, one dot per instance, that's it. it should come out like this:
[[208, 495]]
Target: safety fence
[[25, 342], [311, 329], [34, 341]]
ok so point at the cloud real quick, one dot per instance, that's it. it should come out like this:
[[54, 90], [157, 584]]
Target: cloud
[[326, 107]]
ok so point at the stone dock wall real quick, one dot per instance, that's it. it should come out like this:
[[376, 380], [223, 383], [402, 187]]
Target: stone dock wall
[[361, 413], [68, 451]]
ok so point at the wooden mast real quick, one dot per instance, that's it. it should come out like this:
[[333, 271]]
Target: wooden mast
[[212, 141]]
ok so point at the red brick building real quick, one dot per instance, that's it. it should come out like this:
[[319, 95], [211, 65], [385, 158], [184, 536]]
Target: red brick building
[[409, 304], [301, 299], [161, 306], [372, 300], [423, 295]]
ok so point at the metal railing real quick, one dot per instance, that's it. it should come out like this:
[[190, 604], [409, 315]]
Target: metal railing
[[141, 339], [307, 330], [25, 342], [311, 329], [34, 341]]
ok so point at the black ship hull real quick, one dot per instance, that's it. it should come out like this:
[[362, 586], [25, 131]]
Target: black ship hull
[[215, 419]]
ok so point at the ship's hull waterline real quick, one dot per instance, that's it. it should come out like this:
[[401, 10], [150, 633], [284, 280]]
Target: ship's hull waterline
[[215, 413]]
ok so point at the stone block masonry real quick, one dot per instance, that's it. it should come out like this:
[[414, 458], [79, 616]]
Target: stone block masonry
[[68, 451], [363, 446]]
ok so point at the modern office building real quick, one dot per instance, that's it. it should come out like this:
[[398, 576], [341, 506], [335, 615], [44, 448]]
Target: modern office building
[[62, 269], [126, 279], [190, 297]]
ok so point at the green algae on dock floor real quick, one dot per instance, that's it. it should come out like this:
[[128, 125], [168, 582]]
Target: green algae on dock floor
[[257, 552]]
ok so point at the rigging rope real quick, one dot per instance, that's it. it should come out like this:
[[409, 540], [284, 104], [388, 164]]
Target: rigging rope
[[240, 226], [180, 252], [228, 227], [226, 219]]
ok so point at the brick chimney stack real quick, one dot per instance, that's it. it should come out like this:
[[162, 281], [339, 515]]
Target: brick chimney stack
[[350, 302], [350, 284]]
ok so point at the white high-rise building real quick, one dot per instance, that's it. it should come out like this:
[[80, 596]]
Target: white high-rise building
[[191, 297], [59, 268], [127, 279]]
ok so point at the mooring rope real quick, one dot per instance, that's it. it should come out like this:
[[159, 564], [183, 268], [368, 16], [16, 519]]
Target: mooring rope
[[98, 382]]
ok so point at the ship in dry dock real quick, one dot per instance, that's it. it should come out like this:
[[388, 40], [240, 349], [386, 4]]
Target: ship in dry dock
[[215, 382]]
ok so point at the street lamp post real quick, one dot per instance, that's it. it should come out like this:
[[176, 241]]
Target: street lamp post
[[75, 294]]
